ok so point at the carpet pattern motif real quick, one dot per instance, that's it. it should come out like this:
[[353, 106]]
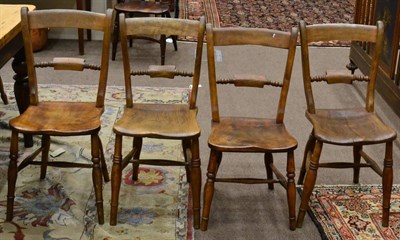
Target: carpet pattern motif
[[354, 212], [62, 205], [279, 15]]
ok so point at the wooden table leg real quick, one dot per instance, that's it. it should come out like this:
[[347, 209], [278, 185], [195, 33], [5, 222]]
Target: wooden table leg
[[21, 88]]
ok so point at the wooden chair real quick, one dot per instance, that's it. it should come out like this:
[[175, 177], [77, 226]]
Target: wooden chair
[[147, 8], [61, 118], [353, 127], [249, 134], [3, 93], [178, 121]]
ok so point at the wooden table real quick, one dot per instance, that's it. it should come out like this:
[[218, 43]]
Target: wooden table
[[11, 45]]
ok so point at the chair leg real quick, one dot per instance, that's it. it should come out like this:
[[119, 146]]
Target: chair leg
[[12, 175], [163, 44], [209, 188], [97, 177], [88, 7], [45, 155], [357, 159], [387, 182], [116, 176], [174, 37], [81, 42], [351, 66], [195, 181], [219, 159], [309, 184], [115, 37], [268, 161], [174, 41], [3, 93], [307, 156], [291, 190], [137, 145], [187, 155], [79, 5], [103, 163]]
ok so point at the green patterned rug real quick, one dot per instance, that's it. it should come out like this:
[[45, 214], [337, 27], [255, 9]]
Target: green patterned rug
[[62, 205], [354, 212]]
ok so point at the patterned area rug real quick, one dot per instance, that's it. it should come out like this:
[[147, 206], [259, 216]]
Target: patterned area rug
[[354, 212], [62, 206], [280, 15]]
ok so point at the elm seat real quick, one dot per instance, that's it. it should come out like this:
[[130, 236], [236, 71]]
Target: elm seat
[[349, 126], [67, 119], [144, 120], [243, 134], [80, 118], [354, 127]]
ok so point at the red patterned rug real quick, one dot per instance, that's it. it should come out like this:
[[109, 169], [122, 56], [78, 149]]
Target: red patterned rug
[[354, 212], [281, 15]]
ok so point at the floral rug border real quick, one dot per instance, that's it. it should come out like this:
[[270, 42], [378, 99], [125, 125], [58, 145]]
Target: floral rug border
[[355, 228]]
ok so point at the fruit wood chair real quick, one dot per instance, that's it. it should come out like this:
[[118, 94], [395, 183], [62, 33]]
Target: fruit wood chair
[[148, 8], [60, 118], [3, 93], [250, 134], [178, 121], [353, 127]]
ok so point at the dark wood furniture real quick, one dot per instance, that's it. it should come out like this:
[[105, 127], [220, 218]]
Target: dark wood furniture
[[248, 134], [148, 8], [388, 83], [11, 46], [354, 127], [3, 93], [87, 6], [162, 121], [61, 118]]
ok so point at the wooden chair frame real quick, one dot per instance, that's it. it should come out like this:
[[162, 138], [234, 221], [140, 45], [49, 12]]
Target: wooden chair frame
[[345, 130], [57, 114], [139, 120], [269, 136]]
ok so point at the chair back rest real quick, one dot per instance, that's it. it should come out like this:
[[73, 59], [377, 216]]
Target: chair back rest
[[366, 34], [257, 37], [130, 27], [66, 18]]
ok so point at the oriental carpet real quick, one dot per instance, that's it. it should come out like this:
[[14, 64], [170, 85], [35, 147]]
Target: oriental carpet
[[272, 14], [280, 15], [62, 205], [354, 212]]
